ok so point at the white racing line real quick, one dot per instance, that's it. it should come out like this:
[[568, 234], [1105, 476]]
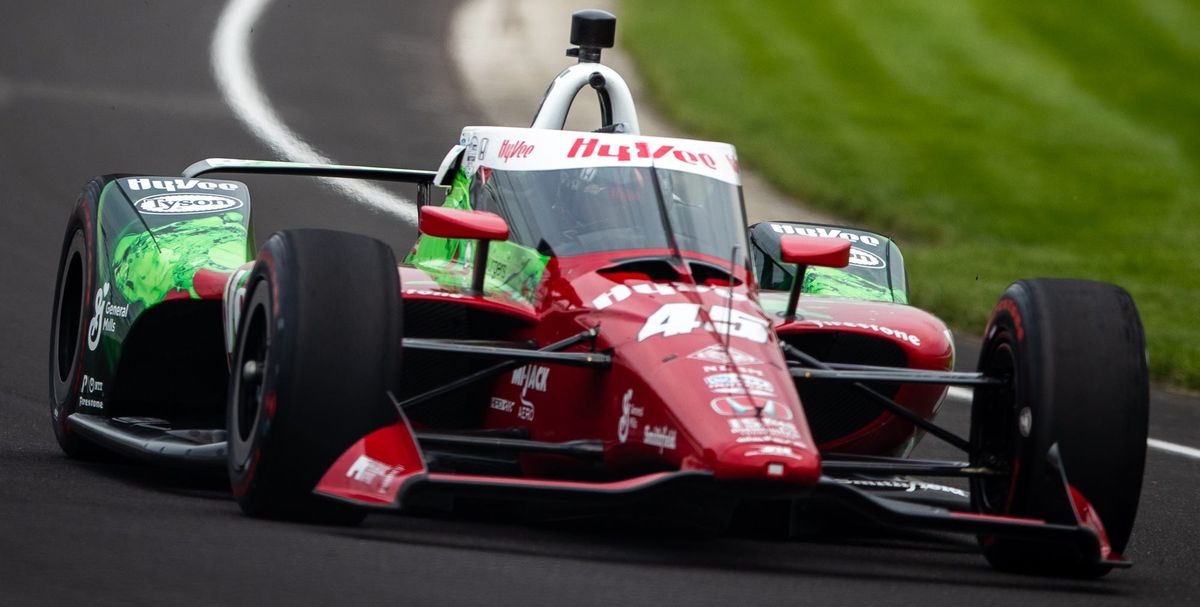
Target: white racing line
[[963, 395], [234, 71]]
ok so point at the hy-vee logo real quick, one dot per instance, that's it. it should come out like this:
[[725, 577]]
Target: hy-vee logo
[[820, 232], [514, 149], [584, 148], [172, 185]]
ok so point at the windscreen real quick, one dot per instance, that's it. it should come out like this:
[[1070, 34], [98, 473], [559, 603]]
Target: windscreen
[[594, 209]]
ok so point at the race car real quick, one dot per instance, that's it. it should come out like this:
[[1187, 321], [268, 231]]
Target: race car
[[587, 320]]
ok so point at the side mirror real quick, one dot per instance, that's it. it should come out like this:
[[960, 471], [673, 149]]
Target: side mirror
[[485, 227], [807, 251], [445, 222], [813, 251]]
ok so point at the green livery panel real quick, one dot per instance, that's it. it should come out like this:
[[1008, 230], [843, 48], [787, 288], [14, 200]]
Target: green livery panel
[[513, 271], [157, 241]]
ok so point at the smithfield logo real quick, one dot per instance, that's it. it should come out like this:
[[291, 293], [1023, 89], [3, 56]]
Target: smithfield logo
[[177, 204]]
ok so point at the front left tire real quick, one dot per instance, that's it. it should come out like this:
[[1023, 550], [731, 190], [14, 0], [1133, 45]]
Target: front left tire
[[318, 348]]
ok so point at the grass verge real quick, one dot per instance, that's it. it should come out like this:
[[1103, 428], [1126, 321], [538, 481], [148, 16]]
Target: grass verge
[[994, 140]]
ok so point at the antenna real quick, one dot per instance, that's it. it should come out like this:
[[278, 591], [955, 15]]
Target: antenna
[[733, 257], [591, 31]]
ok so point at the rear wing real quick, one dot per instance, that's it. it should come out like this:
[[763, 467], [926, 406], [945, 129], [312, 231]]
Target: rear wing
[[423, 179]]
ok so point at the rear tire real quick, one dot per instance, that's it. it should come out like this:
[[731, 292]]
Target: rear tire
[[1077, 355], [318, 348]]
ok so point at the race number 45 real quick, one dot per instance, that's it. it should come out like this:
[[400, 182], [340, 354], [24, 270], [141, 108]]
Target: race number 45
[[683, 318]]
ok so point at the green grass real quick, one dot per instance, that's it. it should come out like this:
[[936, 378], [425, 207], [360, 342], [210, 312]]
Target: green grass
[[995, 140]]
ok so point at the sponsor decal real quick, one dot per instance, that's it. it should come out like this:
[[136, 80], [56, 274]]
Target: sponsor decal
[[824, 232], [112, 310], [432, 293], [731, 383], [90, 402], [732, 406], [97, 323], [585, 148], [616, 294], [377, 475], [906, 486], [529, 377], [630, 414], [865, 259], [89, 388], [503, 404], [473, 151], [659, 436], [765, 429], [890, 332], [774, 451], [729, 369], [724, 356], [173, 185], [90, 385], [512, 149], [105, 315], [183, 204], [619, 293], [683, 318]]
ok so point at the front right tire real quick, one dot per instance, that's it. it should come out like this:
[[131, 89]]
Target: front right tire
[[1076, 355]]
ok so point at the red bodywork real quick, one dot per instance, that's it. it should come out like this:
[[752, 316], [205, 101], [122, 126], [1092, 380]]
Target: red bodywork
[[698, 380]]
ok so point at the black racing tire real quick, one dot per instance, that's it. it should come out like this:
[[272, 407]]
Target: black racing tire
[[1076, 353], [73, 306], [321, 329]]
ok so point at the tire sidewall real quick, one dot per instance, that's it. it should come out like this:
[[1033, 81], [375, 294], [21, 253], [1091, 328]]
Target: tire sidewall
[[78, 239]]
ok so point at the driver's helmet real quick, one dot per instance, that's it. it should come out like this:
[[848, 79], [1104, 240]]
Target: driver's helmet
[[598, 198]]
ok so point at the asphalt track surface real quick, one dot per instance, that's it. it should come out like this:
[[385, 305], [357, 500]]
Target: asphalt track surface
[[96, 87]]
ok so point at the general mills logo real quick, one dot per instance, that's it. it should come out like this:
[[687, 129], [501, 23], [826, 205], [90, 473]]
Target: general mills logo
[[178, 204]]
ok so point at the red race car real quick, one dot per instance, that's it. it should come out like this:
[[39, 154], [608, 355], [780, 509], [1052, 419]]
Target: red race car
[[588, 320]]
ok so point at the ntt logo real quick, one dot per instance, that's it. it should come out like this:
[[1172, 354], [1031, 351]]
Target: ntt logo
[[182, 204]]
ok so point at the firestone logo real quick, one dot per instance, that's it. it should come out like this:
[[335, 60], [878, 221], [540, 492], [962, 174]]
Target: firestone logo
[[514, 149]]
